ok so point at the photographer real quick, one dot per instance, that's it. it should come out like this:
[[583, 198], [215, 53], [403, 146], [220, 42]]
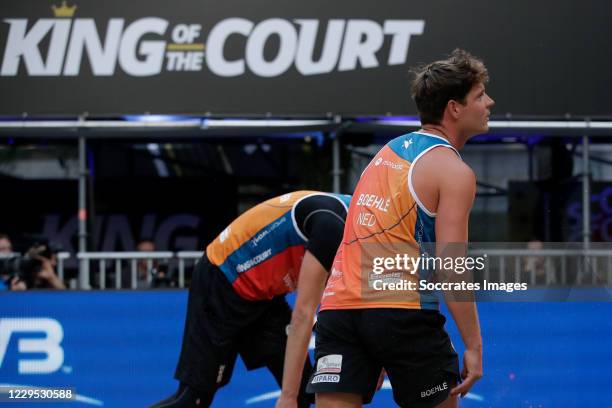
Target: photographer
[[12, 283], [9, 282], [45, 278], [35, 270], [160, 277], [6, 246]]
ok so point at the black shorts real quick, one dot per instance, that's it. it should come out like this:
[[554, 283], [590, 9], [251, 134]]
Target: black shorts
[[352, 346], [220, 325]]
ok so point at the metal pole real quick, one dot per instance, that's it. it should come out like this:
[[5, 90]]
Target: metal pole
[[84, 264], [530, 162], [336, 171], [586, 203], [336, 163], [586, 194]]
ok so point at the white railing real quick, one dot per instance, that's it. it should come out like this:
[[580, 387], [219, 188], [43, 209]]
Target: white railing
[[118, 259], [534, 267], [548, 266]]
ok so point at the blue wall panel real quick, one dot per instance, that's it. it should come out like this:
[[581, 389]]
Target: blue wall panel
[[120, 350]]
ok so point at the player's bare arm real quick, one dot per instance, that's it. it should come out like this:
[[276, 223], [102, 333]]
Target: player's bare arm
[[457, 187], [311, 284]]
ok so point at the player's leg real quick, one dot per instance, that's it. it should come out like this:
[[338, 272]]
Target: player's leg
[[416, 352], [345, 373], [265, 343], [275, 365], [450, 402], [205, 363], [338, 400], [201, 395]]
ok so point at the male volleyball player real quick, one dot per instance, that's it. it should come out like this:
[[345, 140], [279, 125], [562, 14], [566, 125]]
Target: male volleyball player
[[415, 191], [237, 295]]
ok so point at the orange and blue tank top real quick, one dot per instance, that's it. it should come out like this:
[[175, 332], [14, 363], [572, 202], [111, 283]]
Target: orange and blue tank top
[[261, 251], [385, 219]]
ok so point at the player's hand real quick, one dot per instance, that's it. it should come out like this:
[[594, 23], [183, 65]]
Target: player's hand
[[381, 380], [472, 372], [286, 402]]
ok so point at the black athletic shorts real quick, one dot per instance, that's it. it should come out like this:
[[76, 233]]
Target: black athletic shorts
[[221, 325], [352, 346]]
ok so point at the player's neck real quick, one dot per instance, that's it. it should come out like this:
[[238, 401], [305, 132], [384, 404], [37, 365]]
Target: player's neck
[[443, 132]]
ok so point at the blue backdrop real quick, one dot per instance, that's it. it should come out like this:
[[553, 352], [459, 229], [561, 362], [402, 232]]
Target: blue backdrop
[[120, 350]]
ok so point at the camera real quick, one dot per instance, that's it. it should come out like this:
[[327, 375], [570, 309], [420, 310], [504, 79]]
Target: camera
[[162, 277], [23, 267], [27, 267]]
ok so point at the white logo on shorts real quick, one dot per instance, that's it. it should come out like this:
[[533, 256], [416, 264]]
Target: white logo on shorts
[[378, 161], [328, 378], [331, 363], [220, 373], [432, 391]]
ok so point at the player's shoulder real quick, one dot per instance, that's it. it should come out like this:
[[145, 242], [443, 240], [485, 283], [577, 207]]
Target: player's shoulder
[[319, 204], [320, 198], [445, 157], [448, 167]]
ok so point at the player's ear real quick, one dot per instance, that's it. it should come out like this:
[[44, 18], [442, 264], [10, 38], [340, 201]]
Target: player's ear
[[453, 108]]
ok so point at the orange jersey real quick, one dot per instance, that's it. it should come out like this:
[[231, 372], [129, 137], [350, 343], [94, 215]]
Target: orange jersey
[[385, 221], [261, 251]]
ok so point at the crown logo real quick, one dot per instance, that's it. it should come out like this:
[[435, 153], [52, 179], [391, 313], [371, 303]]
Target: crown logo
[[63, 10]]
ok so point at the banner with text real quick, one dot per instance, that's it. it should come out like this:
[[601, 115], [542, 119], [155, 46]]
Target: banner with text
[[295, 58]]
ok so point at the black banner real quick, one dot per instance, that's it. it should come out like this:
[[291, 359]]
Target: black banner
[[293, 58], [552, 212], [176, 214]]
